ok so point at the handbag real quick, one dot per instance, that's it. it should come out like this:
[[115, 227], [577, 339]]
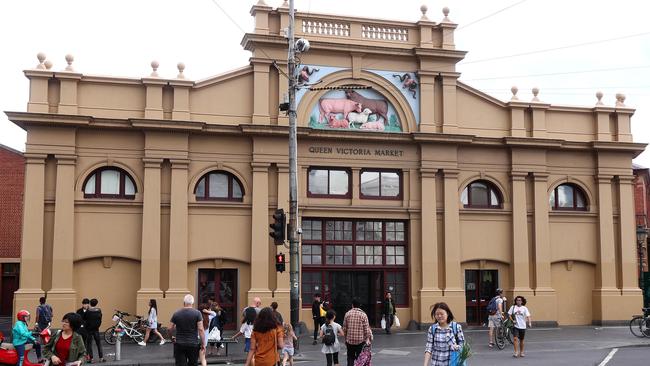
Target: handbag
[[454, 359], [365, 357], [397, 324], [214, 335], [383, 323]]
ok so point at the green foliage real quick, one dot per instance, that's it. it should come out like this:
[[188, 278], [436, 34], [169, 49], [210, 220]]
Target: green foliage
[[392, 120], [465, 352], [313, 121]]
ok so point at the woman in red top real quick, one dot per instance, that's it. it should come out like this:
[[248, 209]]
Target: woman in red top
[[67, 345]]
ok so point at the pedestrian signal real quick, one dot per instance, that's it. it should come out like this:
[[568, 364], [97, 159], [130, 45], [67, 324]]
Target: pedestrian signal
[[280, 262]]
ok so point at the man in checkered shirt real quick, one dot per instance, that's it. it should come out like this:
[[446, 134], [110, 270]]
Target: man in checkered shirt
[[357, 331]]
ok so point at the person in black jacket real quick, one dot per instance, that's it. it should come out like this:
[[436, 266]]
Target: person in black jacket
[[85, 305], [318, 319], [93, 322], [389, 311]]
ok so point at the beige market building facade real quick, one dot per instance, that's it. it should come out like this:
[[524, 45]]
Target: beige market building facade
[[409, 180]]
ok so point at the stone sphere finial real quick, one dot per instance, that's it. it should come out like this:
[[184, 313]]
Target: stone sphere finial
[[514, 91], [599, 96], [41, 58], [285, 4], [261, 3], [69, 59], [620, 100], [535, 93], [181, 68], [48, 64], [154, 67], [423, 9], [445, 12]]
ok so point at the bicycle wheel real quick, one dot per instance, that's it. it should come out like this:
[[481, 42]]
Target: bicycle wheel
[[636, 326], [645, 326], [500, 337], [509, 335], [109, 335]]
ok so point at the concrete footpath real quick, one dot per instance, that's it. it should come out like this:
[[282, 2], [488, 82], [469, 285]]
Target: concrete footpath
[[585, 345]]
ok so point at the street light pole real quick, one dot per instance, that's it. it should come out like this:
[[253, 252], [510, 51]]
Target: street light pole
[[294, 264]]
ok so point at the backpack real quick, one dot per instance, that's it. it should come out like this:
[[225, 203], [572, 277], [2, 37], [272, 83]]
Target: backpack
[[492, 306], [45, 312], [329, 338]]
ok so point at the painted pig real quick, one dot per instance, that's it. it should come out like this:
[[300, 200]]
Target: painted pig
[[338, 123], [375, 125], [345, 106]]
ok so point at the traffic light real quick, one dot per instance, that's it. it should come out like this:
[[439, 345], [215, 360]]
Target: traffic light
[[278, 227], [280, 262]]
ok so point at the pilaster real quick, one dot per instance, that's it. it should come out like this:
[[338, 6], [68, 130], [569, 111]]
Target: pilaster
[[627, 235], [623, 128], [150, 251], [38, 90], [178, 234], [602, 123], [68, 103], [356, 181], [430, 289], [517, 124], [62, 295], [545, 295], [154, 98], [520, 254], [454, 294], [31, 257], [261, 69], [449, 115], [539, 119], [260, 239], [427, 101], [606, 295], [181, 109]]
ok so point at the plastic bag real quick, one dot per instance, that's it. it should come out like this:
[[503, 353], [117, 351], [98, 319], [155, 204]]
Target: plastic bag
[[383, 323], [397, 324]]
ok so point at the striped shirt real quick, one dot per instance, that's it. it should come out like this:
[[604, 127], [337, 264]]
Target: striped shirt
[[439, 342]]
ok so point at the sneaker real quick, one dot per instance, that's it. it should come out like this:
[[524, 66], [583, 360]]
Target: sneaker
[[141, 343], [162, 342]]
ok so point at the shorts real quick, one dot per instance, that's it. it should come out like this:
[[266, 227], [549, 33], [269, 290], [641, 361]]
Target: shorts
[[494, 321], [288, 351], [519, 333], [247, 345]]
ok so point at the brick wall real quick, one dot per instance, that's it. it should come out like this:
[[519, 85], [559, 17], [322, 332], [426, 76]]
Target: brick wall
[[12, 181]]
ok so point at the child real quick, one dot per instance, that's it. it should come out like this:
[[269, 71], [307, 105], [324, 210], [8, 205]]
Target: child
[[22, 336], [246, 329], [287, 350], [329, 333]]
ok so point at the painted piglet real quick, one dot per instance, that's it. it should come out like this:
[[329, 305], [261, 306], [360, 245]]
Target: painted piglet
[[329, 106], [375, 125], [338, 123]]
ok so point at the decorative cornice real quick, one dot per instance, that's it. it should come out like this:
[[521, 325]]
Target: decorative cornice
[[64, 159], [179, 163], [152, 162], [167, 124]]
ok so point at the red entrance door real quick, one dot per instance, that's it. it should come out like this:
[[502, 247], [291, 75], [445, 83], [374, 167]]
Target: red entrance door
[[8, 285], [480, 287], [220, 284]]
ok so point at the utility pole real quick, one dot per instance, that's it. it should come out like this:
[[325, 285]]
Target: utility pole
[[294, 258]]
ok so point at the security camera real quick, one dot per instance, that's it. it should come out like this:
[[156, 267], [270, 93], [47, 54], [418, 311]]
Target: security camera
[[302, 45], [299, 231]]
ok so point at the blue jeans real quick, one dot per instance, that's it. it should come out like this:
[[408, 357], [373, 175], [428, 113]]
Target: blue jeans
[[20, 349]]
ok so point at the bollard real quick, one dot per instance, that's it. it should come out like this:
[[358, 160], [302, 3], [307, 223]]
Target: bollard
[[118, 344]]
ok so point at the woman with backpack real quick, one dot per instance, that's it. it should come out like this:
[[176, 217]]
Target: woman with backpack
[[329, 333], [266, 340], [520, 315], [443, 337]]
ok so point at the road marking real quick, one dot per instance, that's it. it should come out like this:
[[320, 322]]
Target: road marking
[[394, 352], [609, 357]]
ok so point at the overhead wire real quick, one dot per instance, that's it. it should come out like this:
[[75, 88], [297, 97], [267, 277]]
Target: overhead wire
[[562, 73]]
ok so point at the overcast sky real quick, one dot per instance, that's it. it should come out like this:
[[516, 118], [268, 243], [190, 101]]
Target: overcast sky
[[122, 37]]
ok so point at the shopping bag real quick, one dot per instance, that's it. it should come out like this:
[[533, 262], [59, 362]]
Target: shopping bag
[[383, 323], [214, 335], [397, 324], [454, 360], [365, 357]]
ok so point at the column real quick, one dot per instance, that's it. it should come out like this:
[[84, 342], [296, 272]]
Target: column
[[427, 101], [31, 255], [454, 294], [430, 291], [260, 239], [68, 103], [178, 236], [282, 293], [62, 295], [449, 115], [605, 295], [544, 294], [627, 234], [260, 91], [150, 251], [520, 255]]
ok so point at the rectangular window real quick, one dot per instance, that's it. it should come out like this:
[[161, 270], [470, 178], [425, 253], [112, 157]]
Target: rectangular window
[[312, 230], [378, 184], [394, 231], [312, 254], [369, 231], [328, 183], [339, 254], [311, 283], [338, 230], [369, 255], [395, 255]]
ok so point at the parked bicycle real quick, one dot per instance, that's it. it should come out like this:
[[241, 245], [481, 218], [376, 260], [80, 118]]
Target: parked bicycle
[[504, 332], [133, 330], [640, 324]]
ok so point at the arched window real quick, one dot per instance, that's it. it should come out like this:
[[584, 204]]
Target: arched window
[[109, 182], [481, 194], [568, 197], [219, 186]]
